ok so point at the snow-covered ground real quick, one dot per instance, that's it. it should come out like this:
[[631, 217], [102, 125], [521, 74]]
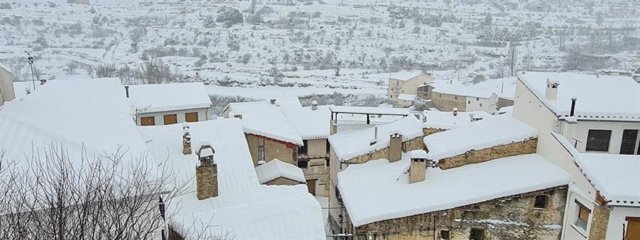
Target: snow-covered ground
[[297, 48]]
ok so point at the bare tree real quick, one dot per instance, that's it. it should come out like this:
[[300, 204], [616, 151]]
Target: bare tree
[[97, 197]]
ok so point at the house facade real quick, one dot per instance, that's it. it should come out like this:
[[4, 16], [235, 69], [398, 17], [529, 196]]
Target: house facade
[[6, 85], [164, 104], [406, 84], [579, 114], [447, 99]]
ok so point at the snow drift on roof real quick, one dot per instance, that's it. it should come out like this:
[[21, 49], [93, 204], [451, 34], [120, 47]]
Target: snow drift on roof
[[168, 97], [265, 119], [244, 208], [405, 75], [276, 168], [446, 120], [478, 135], [79, 115], [389, 194], [612, 98], [350, 144], [371, 110], [615, 176], [310, 124]]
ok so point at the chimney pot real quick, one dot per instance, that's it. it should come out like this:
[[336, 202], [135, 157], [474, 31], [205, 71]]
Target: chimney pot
[[206, 173], [552, 89], [186, 140], [395, 147], [418, 166]]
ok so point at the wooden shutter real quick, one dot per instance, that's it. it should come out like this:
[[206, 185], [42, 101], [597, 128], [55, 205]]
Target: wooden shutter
[[191, 117], [148, 121], [170, 119]]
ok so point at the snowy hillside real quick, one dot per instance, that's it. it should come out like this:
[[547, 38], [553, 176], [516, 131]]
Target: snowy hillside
[[302, 47]]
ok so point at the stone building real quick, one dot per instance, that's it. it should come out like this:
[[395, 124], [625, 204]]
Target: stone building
[[7, 92], [405, 83], [468, 186], [437, 121], [387, 141], [487, 96], [581, 116]]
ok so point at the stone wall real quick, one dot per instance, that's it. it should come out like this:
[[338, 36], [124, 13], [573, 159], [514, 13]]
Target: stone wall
[[599, 222], [447, 102], [283, 181], [413, 144], [207, 181], [483, 155], [286, 152], [512, 218], [503, 102], [429, 131], [317, 169]]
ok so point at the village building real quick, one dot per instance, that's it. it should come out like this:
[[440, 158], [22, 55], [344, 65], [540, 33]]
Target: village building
[[587, 121], [164, 104], [402, 88], [7, 92], [358, 146], [467, 185], [344, 118], [488, 96], [226, 194]]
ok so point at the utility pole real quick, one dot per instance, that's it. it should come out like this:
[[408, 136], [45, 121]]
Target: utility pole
[[31, 60]]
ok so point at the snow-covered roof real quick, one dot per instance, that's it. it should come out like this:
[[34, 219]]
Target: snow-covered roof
[[21, 88], [350, 144], [91, 115], [613, 98], [389, 195], [310, 124], [459, 89], [478, 135], [503, 87], [446, 120], [615, 176], [265, 119], [168, 97], [407, 97], [405, 75], [276, 168], [371, 110], [243, 208]]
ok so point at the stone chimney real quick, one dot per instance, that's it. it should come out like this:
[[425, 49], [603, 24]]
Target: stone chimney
[[206, 173], [186, 140], [418, 167], [395, 147], [314, 105], [552, 89], [455, 111]]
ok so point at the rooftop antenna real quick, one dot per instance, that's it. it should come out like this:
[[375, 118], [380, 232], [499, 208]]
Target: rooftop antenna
[[31, 59]]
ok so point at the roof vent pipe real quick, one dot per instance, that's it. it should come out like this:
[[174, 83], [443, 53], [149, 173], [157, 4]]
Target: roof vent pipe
[[314, 105], [455, 111], [126, 90], [573, 106]]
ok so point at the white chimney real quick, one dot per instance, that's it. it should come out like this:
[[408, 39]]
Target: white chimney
[[314, 105], [455, 111], [552, 89]]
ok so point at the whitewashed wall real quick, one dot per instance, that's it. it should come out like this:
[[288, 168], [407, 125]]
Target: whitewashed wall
[[203, 114]]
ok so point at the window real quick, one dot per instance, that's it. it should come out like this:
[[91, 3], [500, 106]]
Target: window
[[541, 201], [170, 119], [582, 217], [477, 99], [444, 234], [455, 97], [469, 102], [148, 121], [261, 156], [628, 144], [304, 147], [303, 164], [598, 140], [476, 234], [480, 104], [191, 117]]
